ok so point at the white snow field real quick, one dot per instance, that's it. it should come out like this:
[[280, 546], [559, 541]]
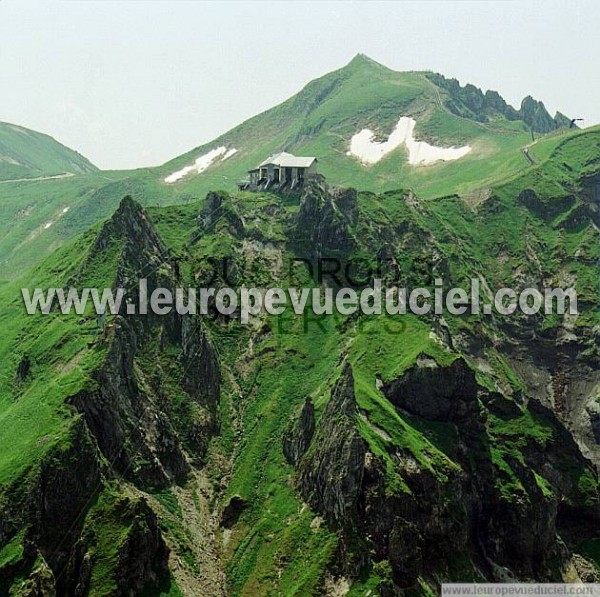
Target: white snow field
[[368, 151], [202, 163]]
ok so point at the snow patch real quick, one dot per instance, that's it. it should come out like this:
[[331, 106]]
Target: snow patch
[[201, 163], [50, 223], [369, 151]]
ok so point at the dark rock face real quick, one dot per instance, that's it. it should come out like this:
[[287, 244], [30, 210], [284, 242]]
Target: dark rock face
[[441, 513], [433, 392], [23, 369], [52, 507], [595, 422], [68, 480], [346, 483], [517, 532], [132, 431], [212, 204], [591, 197], [213, 210], [331, 473], [534, 113], [579, 209], [58, 549], [128, 413], [562, 377], [296, 443], [233, 511], [131, 224], [128, 427], [143, 558], [494, 100], [417, 528], [547, 209], [322, 226], [471, 102]]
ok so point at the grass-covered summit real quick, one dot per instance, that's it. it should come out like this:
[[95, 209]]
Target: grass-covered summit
[[36, 216], [321, 119]]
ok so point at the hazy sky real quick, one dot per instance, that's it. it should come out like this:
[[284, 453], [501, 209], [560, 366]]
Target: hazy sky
[[135, 83]]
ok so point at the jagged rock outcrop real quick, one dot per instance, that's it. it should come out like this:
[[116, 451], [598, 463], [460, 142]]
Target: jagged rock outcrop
[[143, 556], [345, 482], [213, 211], [534, 114], [134, 433], [128, 412], [140, 554], [51, 507], [470, 101], [60, 541], [148, 412], [433, 392], [323, 225], [296, 443], [473, 462], [503, 510], [518, 532], [416, 528], [331, 472], [563, 377]]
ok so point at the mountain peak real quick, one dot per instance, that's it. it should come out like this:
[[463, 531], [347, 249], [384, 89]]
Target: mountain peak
[[363, 104], [360, 58], [363, 61]]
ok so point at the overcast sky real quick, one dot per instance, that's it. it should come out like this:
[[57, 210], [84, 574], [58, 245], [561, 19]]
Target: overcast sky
[[135, 83]]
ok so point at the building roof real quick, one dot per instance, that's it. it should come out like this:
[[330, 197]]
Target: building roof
[[287, 160]]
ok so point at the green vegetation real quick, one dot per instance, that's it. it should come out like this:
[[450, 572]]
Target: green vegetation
[[322, 118], [27, 154], [12, 552], [493, 216], [319, 120], [107, 529], [276, 528], [33, 415]]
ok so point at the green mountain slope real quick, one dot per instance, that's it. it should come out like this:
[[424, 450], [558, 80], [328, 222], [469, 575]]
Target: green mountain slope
[[320, 120], [28, 154], [37, 216], [144, 455]]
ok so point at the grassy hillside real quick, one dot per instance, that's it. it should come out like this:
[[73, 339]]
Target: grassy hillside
[[36, 217], [320, 120], [28, 154], [34, 221], [532, 228]]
